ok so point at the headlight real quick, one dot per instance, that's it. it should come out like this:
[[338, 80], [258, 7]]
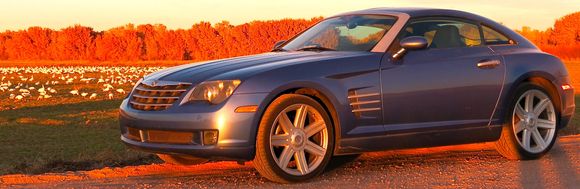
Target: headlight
[[214, 92]]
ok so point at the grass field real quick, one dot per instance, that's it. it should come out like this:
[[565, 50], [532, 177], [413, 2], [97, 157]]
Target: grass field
[[71, 132]]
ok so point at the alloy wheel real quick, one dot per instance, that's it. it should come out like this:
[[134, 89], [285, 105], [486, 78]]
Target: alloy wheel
[[299, 139], [534, 121]]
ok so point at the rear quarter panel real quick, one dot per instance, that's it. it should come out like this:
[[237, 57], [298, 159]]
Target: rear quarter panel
[[523, 63]]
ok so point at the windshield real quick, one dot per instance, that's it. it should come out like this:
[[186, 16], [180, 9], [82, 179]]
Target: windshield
[[344, 33]]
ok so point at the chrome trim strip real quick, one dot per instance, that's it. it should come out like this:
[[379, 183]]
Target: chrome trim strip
[[143, 135], [156, 97], [141, 104], [365, 102], [160, 83], [363, 95], [159, 90], [366, 110]]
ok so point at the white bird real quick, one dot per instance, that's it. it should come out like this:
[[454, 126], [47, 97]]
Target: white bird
[[122, 91], [110, 96], [41, 90], [19, 97], [84, 94], [87, 80], [12, 96], [94, 95], [74, 92]]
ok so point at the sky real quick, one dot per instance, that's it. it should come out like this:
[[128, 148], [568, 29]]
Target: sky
[[106, 14]]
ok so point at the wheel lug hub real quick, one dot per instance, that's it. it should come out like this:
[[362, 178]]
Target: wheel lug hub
[[298, 138], [530, 120]]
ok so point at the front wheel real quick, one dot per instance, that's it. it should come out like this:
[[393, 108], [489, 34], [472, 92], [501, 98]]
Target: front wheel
[[530, 130], [295, 139]]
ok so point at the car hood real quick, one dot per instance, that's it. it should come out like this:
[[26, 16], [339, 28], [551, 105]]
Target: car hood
[[198, 72]]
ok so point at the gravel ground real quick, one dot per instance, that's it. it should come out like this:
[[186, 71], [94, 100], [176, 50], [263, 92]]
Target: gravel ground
[[464, 166]]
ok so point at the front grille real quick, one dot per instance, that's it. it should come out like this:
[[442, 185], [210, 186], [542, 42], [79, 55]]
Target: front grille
[[157, 96]]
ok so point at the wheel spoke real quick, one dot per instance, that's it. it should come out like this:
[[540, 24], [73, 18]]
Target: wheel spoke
[[314, 128], [280, 140], [529, 102], [541, 106], [520, 111], [518, 127], [285, 123], [538, 138], [300, 118], [546, 124], [315, 149], [285, 157], [526, 135], [301, 162]]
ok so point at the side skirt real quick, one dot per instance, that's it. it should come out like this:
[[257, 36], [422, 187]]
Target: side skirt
[[430, 138]]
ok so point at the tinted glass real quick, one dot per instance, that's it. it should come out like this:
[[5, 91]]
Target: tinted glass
[[345, 33], [445, 33], [493, 37]]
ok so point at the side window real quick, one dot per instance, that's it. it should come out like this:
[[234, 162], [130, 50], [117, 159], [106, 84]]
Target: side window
[[493, 37], [441, 33]]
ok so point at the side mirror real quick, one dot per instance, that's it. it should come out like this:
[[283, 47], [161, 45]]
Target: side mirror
[[278, 43], [411, 43]]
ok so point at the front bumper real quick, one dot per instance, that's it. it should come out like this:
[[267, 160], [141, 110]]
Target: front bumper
[[236, 131]]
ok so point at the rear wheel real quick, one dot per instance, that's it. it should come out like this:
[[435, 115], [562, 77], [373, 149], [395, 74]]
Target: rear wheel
[[295, 139], [181, 160], [531, 128]]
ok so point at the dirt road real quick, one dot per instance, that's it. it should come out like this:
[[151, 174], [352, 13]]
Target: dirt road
[[465, 166]]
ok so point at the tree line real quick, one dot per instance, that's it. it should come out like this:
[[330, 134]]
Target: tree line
[[204, 41], [562, 40]]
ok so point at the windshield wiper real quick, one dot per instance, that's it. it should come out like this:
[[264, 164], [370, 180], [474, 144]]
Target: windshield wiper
[[315, 48], [279, 50]]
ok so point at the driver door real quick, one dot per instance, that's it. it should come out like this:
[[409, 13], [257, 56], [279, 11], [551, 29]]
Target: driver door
[[441, 87]]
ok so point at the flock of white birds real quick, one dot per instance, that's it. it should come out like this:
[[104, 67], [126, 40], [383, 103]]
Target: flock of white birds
[[22, 84]]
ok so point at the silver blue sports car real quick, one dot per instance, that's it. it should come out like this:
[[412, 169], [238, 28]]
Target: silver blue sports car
[[369, 80]]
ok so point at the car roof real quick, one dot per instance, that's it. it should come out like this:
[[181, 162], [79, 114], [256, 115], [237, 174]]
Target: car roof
[[415, 12], [419, 12]]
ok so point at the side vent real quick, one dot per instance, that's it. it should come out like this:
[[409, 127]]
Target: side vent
[[363, 102]]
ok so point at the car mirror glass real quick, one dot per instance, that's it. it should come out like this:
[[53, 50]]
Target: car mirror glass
[[411, 43]]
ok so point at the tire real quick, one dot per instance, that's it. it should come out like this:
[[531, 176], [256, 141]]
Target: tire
[[524, 125], [181, 160], [279, 140]]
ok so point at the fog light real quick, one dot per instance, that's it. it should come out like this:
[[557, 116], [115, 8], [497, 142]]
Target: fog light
[[210, 137]]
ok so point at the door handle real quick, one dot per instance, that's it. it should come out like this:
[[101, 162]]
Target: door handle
[[488, 64]]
